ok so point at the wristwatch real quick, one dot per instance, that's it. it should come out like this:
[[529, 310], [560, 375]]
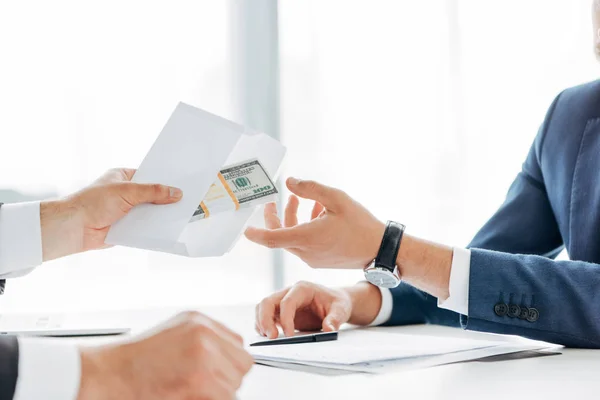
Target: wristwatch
[[383, 271]]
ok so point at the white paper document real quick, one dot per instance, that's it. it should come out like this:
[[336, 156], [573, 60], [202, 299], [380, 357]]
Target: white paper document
[[361, 346], [362, 350], [190, 151]]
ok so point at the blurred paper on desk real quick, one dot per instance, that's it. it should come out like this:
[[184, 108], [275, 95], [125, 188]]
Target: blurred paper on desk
[[361, 345], [364, 350], [192, 149]]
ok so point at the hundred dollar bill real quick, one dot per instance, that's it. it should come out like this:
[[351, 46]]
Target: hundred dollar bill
[[240, 185]]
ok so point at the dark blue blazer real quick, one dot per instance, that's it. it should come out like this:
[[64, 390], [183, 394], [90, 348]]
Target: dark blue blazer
[[554, 203]]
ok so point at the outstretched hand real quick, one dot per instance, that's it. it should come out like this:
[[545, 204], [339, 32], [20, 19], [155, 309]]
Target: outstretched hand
[[341, 233]]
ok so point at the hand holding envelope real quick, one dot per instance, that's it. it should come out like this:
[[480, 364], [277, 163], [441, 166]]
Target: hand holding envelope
[[191, 153]]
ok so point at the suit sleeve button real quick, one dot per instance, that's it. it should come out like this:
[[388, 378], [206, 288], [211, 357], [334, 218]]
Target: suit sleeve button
[[513, 310], [524, 312], [533, 315], [500, 309]]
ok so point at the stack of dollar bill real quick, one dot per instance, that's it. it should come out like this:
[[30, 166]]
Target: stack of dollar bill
[[237, 186]]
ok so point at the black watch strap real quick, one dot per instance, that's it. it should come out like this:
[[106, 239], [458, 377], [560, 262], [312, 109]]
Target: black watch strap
[[390, 245]]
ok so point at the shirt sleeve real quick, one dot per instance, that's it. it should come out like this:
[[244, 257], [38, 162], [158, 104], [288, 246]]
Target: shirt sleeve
[[458, 301], [47, 370], [20, 239], [387, 305]]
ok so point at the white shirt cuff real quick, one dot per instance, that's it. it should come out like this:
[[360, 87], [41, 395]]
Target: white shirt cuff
[[387, 305], [458, 301], [47, 370], [20, 238]]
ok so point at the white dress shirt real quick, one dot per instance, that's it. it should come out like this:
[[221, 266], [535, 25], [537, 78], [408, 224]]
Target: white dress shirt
[[458, 301], [47, 369]]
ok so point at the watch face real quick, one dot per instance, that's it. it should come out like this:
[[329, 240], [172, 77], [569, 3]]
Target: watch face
[[382, 277]]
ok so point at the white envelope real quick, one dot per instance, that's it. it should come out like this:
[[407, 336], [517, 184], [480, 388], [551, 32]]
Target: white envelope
[[192, 148]]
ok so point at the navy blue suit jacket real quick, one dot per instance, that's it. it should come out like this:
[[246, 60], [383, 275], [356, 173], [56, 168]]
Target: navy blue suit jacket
[[553, 203]]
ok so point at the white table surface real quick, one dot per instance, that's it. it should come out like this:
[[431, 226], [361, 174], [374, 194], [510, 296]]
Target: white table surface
[[573, 375]]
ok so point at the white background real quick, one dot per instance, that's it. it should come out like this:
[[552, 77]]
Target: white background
[[422, 110]]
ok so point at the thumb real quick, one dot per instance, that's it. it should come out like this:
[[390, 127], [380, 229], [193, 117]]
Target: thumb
[[138, 193], [334, 319], [329, 197]]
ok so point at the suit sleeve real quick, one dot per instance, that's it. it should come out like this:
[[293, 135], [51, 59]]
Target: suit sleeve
[[512, 264], [524, 223], [9, 366], [564, 295]]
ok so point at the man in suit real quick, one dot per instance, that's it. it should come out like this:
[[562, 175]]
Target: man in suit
[[190, 356], [505, 281]]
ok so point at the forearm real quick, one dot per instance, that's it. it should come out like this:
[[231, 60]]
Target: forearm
[[91, 371], [31, 233], [61, 233], [99, 375], [366, 303], [425, 265]]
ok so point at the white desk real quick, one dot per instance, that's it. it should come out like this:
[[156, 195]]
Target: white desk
[[573, 375]]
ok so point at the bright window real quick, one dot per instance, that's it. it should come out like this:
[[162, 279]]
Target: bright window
[[88, 86], [422, 110]]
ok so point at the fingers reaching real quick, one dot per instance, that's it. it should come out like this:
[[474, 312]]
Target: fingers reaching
[[317, 210], [334, 319], [297, 297], [290, 235], [283, 238], [267, 314], [271, 218], [291, 212], [329, 197]]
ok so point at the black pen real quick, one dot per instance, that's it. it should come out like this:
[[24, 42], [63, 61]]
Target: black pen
[[314, 338]]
